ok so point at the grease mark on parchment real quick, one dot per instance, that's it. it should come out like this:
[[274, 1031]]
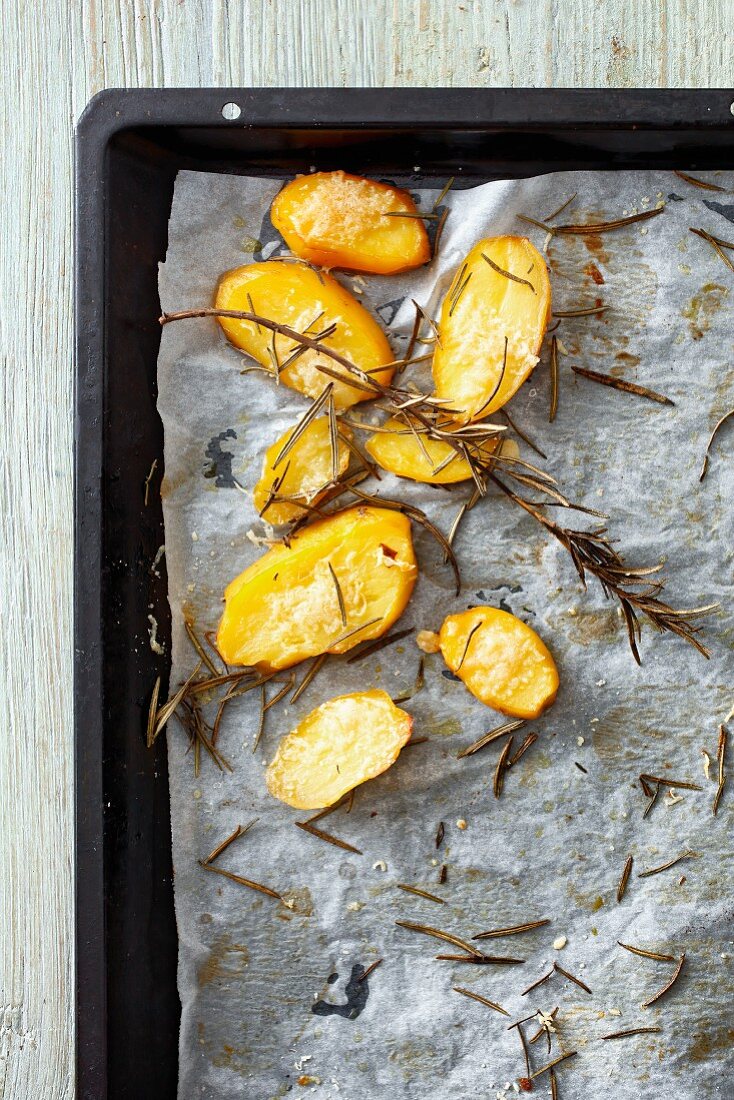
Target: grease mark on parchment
[[219, 464], [356, 992]]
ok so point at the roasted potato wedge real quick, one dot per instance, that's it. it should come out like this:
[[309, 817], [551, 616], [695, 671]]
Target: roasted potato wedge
[[301, 475], [500, 293], [501, 660], [400, 451], [307, 301], [341, 744], [334, 219], [340, 581]]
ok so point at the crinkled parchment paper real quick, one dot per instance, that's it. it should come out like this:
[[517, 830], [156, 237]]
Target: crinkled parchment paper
[[268, 990]]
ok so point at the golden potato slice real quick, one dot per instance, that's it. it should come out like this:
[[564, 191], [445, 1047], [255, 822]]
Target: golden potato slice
[[288, 605], [301, 475], [507, 297], [309, 302], [501, 660], [341, 744], [397, 450], [334, 219]]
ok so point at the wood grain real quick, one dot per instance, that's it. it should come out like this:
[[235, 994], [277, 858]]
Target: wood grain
[[55, 57]]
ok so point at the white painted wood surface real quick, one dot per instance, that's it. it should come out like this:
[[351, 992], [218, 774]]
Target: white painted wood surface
[[56, 55]]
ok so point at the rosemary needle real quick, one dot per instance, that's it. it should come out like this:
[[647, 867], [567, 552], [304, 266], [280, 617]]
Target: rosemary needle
[[482, 1000]]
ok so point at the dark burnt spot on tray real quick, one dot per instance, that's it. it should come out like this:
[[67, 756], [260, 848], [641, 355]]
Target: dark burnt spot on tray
[[388, 310], [356, 991], [219, 460], [726, 209]]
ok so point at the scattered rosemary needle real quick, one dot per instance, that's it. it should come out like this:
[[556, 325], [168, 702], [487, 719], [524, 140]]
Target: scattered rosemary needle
[[631, 1031], [328, 837], [554, 380], [439, 231], [721, 760], [527, 743], [410, 214], [512, 931], [668, 985], [200, 651], [369, 970], [605, 227], [571, 978], [553, 1064], [444, 192], [442, 873], [149, 478], [280, 694], [469, 637], [378, 644], [499, 774], [438, 934], [718, 246], [222, 847], [170, 706], [258, 886], [623, 385], [507, 274], [261, 720], [625, 878], [584, 311], [519, 432], [720, 424], [535, 985], [668, 865], [419, 893], [482, 1000], [703, 184], [339, 595], [491, 735], [683, 784], [152, 711], [482, 960], [440, 833], [655, 955], [314, 668], [303, 423], [561, 208], [553, 1084]]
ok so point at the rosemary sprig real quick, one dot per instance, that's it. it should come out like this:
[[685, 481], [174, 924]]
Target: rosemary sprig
[[668, 985], [512, 931], [491, 735], [625, 878], [328, 837], [623, 385], [419, 893], [592, 553], [712, 437], [507, 274], [482, 1000], [703, 184], [605, 227], [655, 955], [720, 759]]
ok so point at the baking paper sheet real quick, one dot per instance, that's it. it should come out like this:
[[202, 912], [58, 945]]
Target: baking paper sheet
[[268, 992]]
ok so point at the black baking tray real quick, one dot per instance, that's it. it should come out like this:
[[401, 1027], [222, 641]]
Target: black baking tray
[[130, 144]]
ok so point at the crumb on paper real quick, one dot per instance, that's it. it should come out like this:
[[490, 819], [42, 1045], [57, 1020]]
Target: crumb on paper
[[580, 741], [307, 1079], [427, 641], [194, 536], [615, 1011], [601, 683], [559, 943], [572, 612], [155, 645], [355, 906], [302, 1061], [672, 797], [379, 865], [461, 824], [706, 763]]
